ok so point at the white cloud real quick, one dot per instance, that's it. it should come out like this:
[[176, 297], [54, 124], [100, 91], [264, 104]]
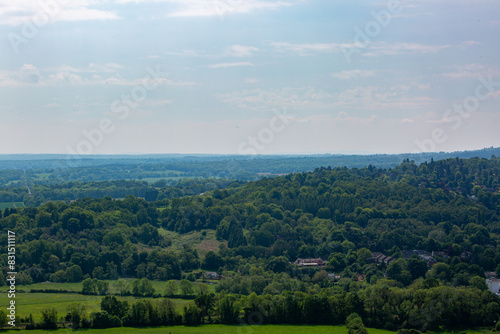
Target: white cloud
[[352, 74], [262, 99], [392, 49], [251, 80], [474, 71], [191, 8], [183, 53], [305, 49], [157, 103], [224, 65], [240, 51], [362, 98], [495, 94], [94, 74], [42, 13], [368, 49]]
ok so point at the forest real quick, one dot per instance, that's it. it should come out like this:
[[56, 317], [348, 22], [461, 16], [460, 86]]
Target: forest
[[406, 247]]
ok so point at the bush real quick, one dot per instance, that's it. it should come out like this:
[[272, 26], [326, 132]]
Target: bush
[[355, 324]]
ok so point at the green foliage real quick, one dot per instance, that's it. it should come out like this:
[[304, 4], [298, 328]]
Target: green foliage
[[49, 319], [355, 324]]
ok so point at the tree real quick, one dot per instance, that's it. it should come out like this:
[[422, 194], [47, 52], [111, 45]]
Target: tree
[[49, 319], [104, 320], [228, 310], [74, 273], [355, 324], [170, 288], [478, 283], [417, 267], [3, 318], [122, 286], [114, 307], [212, 261], [192, 315], [186, 287], [75, 312], [236, 237], [205, 303], [142, 287]]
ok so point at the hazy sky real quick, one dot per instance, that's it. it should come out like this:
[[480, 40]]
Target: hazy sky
[[248, 76]]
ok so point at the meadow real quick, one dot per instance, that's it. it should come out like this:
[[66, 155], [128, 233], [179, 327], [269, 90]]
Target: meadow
[[10, 205], [219, 329], [34, 303]]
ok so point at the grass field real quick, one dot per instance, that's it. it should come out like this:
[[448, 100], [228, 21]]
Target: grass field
[[159, 286], [11, 205], [204, 243], [34, 303], [220, 329], [225, 329]]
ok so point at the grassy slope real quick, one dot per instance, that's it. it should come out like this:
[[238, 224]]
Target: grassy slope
[[202, 243]]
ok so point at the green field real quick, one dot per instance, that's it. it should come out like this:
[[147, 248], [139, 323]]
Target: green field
[[203, 243], [221, 329], [159, 286], [34, 303], [11, 205]]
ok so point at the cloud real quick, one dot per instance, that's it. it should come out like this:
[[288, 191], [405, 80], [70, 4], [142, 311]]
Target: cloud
[[368, 49], [495, 94], [305, 49], [264, 99], [240, 51], [224, 65], [473, 70], [183, 53], [340, 117], [251, 80], [157, 103], [393, 49], [361, 98], [94, 74], [190, 8], [40, 13], [352, 74]]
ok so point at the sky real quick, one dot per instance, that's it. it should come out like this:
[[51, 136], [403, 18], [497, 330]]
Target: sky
[[248, 76]]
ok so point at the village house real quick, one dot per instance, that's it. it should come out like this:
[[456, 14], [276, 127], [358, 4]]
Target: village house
[[493, 285], [211, 275], [310, 262], [380, 258]]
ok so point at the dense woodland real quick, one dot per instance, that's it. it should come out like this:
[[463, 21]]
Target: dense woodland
[[449, 208]]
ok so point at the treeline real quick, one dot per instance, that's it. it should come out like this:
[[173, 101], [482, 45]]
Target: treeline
[[61, 169], [381, 306], [71, 191]]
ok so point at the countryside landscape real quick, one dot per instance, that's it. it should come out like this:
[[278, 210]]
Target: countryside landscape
[[250, 166], [410, 247]]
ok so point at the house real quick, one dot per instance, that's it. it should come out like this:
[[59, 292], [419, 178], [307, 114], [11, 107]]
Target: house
[[332, 276], [310, 262], [428, 258], [211, 275], [493, 285], [379, 258], [490, 274]]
